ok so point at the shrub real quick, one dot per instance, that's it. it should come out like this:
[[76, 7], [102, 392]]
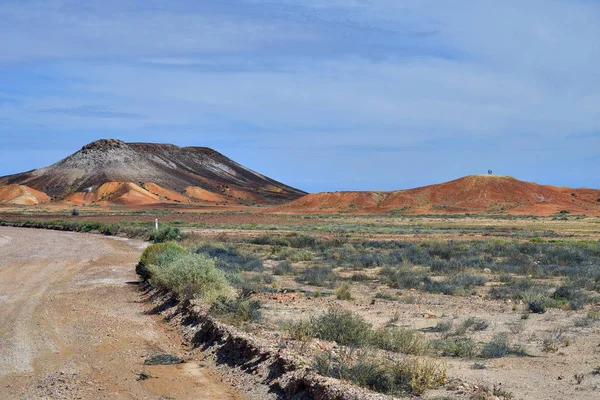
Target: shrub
[[283, 268], [343, 327], [239, 309], [166, 234], [301, 330], [442, 326], [109, 230], [385, 376], [456, 347], [293, 255], [499, 347], [191, 276], [75, 212], [343, 292], [317, 276], [399, 341], [167, 252], [230, 259], [474, 324], [536, 306], [574, 297], [336, 325]]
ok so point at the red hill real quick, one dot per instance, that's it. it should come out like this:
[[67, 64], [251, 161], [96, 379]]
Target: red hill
[[471, 194]]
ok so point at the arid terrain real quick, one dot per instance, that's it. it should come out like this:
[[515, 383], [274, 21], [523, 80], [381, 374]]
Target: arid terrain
[[73, 325], [508, 305], [481, 288]]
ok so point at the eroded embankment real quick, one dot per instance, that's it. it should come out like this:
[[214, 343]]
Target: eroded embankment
[[260, 369]]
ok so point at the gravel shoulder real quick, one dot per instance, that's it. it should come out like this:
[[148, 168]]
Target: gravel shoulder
[[73, 324]]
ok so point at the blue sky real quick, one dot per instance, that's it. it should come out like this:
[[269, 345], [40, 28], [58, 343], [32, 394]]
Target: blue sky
[[322, 95]]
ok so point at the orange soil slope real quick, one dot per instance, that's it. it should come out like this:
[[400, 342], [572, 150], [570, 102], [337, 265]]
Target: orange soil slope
[[166, 194], [21, 195], [124, 193], [198, 193], [471, 194], [131, 194]]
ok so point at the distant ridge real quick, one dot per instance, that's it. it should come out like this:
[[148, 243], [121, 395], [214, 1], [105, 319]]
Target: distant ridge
[[491, 194], [110, 171]]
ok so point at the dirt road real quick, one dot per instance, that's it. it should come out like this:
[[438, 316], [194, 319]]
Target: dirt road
[[73, 326]]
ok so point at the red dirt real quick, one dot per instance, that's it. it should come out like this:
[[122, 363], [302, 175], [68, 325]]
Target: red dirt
[[470, 194]]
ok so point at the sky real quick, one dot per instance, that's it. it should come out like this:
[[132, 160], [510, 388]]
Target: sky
[[321, 95]]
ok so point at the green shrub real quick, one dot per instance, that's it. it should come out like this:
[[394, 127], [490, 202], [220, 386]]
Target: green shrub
[[413, 376], [442, 326], [166, 234], [399, 341], [283, 268], [343, 292], [500, 346], [167, 251], [239, 309], [474, 324], [536, 306], [229, 258], [109, 230], [343, 327], [191, 276], [456, 347], [317, 276], [301, 330], [294, 255]]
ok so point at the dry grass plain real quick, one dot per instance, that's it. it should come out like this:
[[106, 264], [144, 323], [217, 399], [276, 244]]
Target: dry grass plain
[[509, 306]]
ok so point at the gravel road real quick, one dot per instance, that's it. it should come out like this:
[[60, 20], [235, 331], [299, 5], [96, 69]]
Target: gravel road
[[73, 326]]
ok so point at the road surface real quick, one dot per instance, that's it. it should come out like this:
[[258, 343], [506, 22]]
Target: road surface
[[73, 325]]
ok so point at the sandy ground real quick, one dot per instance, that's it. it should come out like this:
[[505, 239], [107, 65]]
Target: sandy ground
[[73, 326]]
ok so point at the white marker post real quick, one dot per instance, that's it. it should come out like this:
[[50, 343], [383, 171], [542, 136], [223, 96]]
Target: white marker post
[[156, 223]]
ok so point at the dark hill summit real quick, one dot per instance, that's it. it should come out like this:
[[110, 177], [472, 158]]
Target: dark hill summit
[[113, 171]]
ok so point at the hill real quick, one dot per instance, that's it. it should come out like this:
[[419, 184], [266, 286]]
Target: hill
[[110, 171], [490, 194]]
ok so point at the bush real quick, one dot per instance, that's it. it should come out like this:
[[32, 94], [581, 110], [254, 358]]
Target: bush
[[109, 230], [399, 341], [343, 292], [230, 259], [442, 326], [191, 276], [239, 309], [343, 327], [456, 347], [168, 252], [536, 306], [283, 268], [166, 234], [499, 347], [293, 255], [75, 212], [317, 276], [574, 297], [474, 324], [335, 325], [385, 376]]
